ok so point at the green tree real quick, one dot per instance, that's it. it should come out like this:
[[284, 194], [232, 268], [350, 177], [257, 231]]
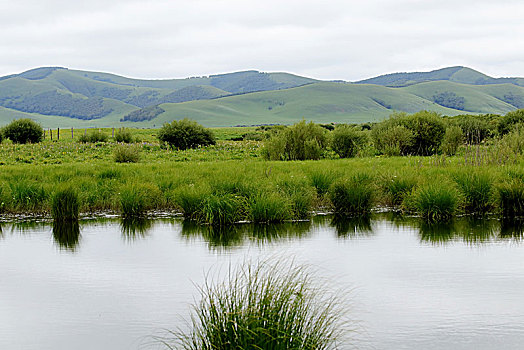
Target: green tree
[[346, 141]]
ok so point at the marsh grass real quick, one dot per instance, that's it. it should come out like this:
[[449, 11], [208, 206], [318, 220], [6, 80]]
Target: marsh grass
[[269, 208], [321, 181], [353, 196], [477, 190], [27, 195], [137, 199], [436, 202], [222, 209], [65, 205], [265, 306], [397, 187]]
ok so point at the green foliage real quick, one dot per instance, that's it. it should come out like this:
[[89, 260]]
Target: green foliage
[[23, 131], [398, 187], [436, 202], [508, 121], [346, 141], [221, 209], [394, 140], [476, 128], [352, 197], [265, 306], [514, 140], [185, 134], [27, 195], [93, 137], [426, 133], [123, 136], [126, 154], [65, 205], [300, 141], [453, 138]]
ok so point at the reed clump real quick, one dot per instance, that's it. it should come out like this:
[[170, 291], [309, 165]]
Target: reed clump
[[137, 199], [265, 306], [354, 196], [65, 205], [477, 190], [435, 202], [269, 208]]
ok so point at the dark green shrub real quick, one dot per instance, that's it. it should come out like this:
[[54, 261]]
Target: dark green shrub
[[298, 142], [23, 131], [453, 138], [352, 197], [265, 306], [123, 136], [436, 202], [126, 154], [426, 128], [65, 205], [346, 141], [184, 134], [507, 122], [475, 128], [93, 137]]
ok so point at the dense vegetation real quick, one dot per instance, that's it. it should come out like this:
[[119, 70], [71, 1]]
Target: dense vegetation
[[184, 134], [140, 115], [23, 131]]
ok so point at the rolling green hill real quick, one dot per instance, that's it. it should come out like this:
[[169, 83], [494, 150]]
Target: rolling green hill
[[59, 97]]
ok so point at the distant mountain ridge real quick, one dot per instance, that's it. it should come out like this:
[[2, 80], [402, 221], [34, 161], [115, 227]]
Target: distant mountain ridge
[[457, 74], [57, 96]]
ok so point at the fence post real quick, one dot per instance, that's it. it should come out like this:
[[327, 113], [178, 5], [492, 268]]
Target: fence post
[[58, 133], [51, 133], [113, 132], [72, 134]]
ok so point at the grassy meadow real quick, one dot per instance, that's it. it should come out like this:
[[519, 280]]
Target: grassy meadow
[[231, 181]]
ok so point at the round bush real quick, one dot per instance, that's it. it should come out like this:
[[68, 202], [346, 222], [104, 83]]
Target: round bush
[[347, 141], [23, 131], [184, 134]]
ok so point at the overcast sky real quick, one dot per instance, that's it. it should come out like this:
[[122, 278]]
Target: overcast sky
[[331, 39]]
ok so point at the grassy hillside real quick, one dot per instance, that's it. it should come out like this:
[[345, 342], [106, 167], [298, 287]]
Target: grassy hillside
[[59, 97]]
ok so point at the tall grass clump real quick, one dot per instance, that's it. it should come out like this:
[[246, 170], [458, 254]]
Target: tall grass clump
[[123, 136], [477, 190], [126, 154], [265, 306], [398, 187], [137, 199], [321, 181], [352, 197], [269, 207], [436, 202], [222, 209], [511, 198], [65, 205]]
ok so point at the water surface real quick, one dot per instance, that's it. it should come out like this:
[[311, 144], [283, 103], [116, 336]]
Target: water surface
[[112, 284]]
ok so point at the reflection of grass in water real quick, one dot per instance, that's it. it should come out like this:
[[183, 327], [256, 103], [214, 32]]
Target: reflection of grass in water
[[265, 305], [66, 234], [512, 229], [278, 232], [354, 227], [215, 236], [469, 230], [135, 228]]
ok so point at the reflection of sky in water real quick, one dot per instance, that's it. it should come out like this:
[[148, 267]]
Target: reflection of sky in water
[[109, 284]]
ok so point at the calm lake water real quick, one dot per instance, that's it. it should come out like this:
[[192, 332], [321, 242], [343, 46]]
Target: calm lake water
[[111, 285]]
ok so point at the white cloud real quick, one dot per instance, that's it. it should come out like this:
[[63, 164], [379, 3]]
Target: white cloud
[[328, 40]]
